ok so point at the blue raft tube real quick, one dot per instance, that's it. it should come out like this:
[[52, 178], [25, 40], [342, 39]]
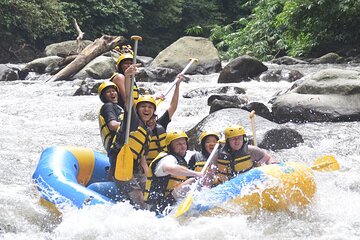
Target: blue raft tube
[[74, 176]]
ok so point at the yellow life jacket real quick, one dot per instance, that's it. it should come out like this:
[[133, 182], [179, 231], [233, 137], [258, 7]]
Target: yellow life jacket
[[158, 188], [106, 134], [200, 160], [135, 93], [138, 142], [157, 143], [231, 164]]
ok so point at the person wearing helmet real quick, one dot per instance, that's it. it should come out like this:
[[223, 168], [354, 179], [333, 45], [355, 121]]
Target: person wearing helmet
[[237, 156], [207, 141], [110, 114], [124, 61], [139, 140], [159, 125], [168, 175]]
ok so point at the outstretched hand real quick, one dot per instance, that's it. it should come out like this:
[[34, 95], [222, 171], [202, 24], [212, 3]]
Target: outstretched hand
[[179, 78], [132, 69]]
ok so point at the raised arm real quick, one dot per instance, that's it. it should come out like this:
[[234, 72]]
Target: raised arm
[[129, 72], [175, 98], [119, 80]]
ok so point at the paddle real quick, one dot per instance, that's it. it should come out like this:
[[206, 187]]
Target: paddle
[[125, 159], [185, 205], [192, 60], [326, 163], [252, 116]]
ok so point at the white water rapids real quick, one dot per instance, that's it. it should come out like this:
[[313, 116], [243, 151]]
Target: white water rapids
[[35, 115]]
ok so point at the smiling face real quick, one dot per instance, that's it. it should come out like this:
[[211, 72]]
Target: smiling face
[[125, 64], [236, 142], [111, 95], [179, 146], [210, 143], [145, 110]]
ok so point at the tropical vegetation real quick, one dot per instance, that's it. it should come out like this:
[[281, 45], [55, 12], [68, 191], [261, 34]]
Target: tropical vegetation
[[262, 28]]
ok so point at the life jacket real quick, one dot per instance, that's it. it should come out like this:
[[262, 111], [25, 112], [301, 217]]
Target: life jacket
[[138, 142], [106, 134], [231, 163], [135, 92], [200, 160], [159, 188], [157, 143]]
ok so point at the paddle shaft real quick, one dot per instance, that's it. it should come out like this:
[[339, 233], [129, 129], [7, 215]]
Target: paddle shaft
[[185, 205], [130, 103], [192, 60], [252, 118]]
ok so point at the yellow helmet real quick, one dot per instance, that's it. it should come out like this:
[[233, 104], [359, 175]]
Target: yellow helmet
[[208, 133], [146, 98], [125, 53], [234, 131], [103, 86], [171, 136]]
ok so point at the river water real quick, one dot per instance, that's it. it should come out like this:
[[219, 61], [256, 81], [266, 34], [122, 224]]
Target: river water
[[35, 115]]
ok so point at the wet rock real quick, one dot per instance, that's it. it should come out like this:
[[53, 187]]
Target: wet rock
[[176, 56], [243, 68], [281, 138], [200, 92], [328, 95]]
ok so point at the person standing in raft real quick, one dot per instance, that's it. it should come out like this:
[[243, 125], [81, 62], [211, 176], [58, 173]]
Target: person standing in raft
[[168, 176], [110, 114], [138, 141], [124, 61], [159, 125], [237, 156], [207, 141]]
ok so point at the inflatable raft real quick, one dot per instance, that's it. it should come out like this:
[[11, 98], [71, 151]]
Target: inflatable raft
[[272, 187], [79, 176]]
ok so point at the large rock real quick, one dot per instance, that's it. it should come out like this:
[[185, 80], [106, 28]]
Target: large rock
[[240, 69], [63, 48], [101, 67], [221, 119], [159, 74], [177, 55], [7, 74], [204, 91], [328, 95], [44, 65]]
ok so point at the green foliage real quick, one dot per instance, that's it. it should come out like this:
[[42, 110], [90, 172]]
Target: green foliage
[[30, 20], [112, 17], [298, 27]]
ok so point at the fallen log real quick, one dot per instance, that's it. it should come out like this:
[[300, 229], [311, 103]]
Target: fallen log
[[99, 46]]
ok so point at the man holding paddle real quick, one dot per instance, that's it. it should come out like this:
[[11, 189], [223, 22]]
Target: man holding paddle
[[168, 175]]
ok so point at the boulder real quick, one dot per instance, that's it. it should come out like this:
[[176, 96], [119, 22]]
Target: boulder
[[7, 73], [280, 75], [218, 102], [176, 56], [44, 65], [64, 49], [286, 60], [240, 69], [158, 74], [200, 92], [328, 95], [101, 67]]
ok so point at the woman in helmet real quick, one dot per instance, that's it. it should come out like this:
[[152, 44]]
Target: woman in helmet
[[158, 125], [139, 140], [207, 141], [237, 156], [169, 174], [110, 114], [124, 61]]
